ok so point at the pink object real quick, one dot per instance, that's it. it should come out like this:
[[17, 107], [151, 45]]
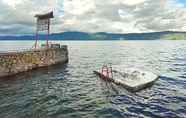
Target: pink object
[[107, 72]]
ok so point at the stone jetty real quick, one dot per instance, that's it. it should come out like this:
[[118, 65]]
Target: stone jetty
[[12, 63]]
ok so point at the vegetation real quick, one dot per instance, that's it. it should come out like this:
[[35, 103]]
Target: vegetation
[[174, 37], [166, 35], [97, 37]]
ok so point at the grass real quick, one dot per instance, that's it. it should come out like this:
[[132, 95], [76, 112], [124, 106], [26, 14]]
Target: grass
[[174, 37]]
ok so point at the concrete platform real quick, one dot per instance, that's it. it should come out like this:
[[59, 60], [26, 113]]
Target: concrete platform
[[131, 79], [12, 63]]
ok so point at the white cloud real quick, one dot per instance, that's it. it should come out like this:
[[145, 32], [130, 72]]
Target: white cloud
[[19, 14], [12, 3], [117, 16], [132, 2], [124, 16]]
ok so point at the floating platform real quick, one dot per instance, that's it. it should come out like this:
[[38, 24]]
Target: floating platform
[[131, 79], [12, 63]]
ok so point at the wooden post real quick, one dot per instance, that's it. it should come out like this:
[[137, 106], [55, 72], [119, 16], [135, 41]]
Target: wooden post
[[36, 41], [48, 32], [43, 24]]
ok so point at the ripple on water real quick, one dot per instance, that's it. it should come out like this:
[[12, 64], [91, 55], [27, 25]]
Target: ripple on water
[[72, 90]]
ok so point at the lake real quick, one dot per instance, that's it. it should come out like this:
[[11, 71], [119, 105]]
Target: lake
[[73, 91]]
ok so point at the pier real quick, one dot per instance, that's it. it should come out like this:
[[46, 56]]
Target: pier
[[15, 62], [12, 63]]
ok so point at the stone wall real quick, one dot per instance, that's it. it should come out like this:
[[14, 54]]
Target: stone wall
[[16, 62]]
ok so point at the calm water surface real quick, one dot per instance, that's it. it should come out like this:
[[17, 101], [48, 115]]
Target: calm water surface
[[73, 91]]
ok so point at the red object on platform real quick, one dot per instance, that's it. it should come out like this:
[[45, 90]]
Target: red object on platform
[[106, 71]]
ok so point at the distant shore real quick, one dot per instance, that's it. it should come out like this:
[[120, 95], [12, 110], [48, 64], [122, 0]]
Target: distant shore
[[71, 36]]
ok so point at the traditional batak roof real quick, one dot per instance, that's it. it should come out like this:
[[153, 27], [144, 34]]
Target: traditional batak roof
[[45, 16]]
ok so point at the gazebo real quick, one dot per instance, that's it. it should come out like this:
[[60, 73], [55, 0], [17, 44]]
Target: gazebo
[[43, 24]]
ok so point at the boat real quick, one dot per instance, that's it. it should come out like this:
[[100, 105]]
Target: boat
[[132, 79]]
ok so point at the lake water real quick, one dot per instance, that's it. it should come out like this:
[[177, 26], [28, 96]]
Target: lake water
[[73, 91]]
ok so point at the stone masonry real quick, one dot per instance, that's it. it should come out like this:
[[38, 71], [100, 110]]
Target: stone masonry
[[16, 62]]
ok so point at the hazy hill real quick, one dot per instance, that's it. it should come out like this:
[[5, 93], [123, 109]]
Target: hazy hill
[[104, 36]]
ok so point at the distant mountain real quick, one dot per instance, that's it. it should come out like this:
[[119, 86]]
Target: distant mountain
[[103, 36]]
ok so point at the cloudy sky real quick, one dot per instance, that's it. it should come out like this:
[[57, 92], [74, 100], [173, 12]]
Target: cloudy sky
[[116, 16]]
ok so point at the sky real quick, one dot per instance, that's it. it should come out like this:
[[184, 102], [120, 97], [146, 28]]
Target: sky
[[113, 16]]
